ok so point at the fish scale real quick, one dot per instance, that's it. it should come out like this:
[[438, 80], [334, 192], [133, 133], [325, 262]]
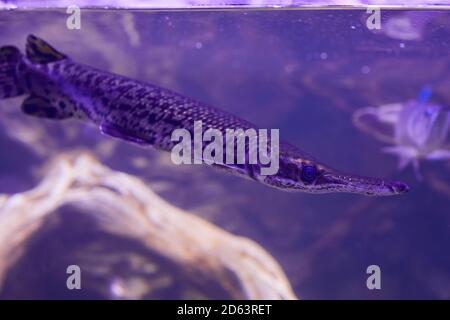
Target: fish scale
[[135, 111]]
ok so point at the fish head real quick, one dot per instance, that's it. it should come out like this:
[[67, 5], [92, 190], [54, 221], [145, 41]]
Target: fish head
[[313, 177]]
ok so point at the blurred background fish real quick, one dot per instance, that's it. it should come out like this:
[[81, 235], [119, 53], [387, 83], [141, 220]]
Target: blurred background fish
[[420, 129]]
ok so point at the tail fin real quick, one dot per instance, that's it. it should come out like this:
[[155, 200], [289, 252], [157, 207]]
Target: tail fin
[[9, 83], [39, 51]]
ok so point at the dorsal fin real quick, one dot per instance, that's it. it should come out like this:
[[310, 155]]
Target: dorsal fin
[[39, 51]]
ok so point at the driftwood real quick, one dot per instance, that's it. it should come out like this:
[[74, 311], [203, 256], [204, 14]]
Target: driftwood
[[123, 205]]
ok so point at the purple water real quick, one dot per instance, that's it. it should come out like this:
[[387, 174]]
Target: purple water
[[302, 71]]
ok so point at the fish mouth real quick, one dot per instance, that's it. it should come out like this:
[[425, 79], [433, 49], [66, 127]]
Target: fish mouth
[[362, 185]]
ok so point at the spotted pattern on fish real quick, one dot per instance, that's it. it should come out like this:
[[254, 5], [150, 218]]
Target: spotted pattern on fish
[[136, 111]]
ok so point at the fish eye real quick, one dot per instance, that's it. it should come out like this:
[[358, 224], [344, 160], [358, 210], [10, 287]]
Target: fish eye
[[309, 173]]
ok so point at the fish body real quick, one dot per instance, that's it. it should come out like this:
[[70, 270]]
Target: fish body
[[60, 88]]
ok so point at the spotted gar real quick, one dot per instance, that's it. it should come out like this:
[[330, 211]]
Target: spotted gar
[[57, 87]]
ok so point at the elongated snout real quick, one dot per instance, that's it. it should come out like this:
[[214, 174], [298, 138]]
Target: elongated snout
[[363, 185]]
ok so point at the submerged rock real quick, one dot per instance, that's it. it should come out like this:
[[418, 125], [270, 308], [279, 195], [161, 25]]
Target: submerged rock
[[128, 242]]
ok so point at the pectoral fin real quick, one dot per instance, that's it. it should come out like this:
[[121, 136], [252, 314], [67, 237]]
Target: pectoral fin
[[121, 133], [406, 155], [440, 154]]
